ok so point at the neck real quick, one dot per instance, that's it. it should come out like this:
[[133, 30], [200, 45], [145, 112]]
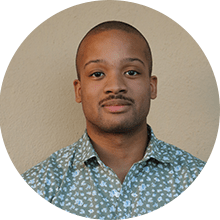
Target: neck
[[120, 151]]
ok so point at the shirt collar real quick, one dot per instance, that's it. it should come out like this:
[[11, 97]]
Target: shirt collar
[[156, 149], [85, 150]]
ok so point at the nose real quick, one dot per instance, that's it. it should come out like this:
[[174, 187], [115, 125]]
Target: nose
[[115, 84]]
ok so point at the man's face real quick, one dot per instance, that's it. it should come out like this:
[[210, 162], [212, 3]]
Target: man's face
[[115, 87]]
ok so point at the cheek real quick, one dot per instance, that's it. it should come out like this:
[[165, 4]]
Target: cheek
[[143, 99], [142, 92], [96, 88], [91, 89], [90, 96]]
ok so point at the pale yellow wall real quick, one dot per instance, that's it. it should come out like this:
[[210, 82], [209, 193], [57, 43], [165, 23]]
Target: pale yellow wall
[[39, 115]]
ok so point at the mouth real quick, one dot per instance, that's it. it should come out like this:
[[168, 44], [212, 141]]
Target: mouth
[[116, 102], [116, 106]]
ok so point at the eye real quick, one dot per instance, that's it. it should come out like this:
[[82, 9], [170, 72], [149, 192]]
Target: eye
[[97, 74], [132, 73]]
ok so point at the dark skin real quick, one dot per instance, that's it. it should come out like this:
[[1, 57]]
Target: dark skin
[[113, 63]]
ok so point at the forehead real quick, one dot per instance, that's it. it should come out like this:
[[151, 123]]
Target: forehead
[[116, 43]]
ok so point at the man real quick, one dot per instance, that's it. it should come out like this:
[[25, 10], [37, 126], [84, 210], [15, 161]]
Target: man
[[118, 169]]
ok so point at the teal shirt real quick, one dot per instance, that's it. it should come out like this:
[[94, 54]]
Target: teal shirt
[[76, 180]]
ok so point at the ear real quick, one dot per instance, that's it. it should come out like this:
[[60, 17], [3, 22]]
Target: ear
[[77, 88], [153, 86]]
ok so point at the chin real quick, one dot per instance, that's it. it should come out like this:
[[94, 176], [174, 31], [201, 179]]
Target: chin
[[118, 128]]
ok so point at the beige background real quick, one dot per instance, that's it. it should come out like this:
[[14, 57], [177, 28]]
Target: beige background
[[39, 115]]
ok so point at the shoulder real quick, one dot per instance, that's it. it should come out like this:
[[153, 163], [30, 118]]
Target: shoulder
[[45, 178], [182, 160]]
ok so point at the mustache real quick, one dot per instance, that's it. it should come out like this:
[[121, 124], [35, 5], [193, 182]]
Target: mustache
[[116, 97]]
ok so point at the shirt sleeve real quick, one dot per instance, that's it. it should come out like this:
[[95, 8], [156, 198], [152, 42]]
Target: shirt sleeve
[[46, 177]]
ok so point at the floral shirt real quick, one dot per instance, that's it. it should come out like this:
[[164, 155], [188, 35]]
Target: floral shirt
[[76, 180]]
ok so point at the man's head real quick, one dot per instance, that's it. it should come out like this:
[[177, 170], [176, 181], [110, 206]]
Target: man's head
[[115, 83], [113, 25]]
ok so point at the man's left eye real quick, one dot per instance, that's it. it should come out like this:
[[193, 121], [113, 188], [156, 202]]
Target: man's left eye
[[132, 73], [97, 74]]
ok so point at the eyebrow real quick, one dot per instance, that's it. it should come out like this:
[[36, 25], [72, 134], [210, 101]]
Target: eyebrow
[[129, 59], [132, 60], [94, 61]]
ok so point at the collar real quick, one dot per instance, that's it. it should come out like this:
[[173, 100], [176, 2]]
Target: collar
[[85, 150], [156, 149]]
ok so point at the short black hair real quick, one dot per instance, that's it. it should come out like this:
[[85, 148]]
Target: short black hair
[[115, 25]]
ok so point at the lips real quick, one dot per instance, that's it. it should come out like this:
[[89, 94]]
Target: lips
[[115, 103], [116, 106]]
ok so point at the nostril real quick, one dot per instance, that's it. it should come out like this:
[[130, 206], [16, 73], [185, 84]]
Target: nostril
[[115, 91], [115, 84], [122, 90]]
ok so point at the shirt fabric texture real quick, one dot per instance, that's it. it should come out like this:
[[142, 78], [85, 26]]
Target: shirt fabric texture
[[76, 180]]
